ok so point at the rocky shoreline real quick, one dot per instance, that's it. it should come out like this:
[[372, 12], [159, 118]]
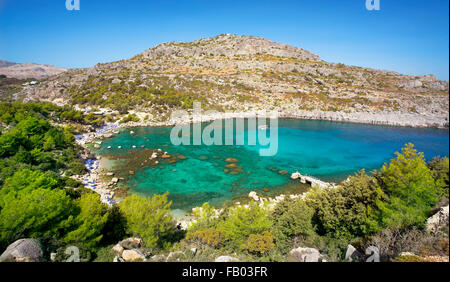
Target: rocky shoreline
[[400, 119], [93, 181]]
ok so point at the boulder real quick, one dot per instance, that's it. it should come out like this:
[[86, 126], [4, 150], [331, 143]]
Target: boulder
[[131, 243], [352, 254], [226, 259], [437, 220], [23, 250], [175, 256], [304, 255], [296, 175], [118, 249], [254, 196], [132, 255]]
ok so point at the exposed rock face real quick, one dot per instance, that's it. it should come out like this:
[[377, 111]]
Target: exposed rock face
[[438, 220], [229, 45], [131, 243], [30, 70], [226, 259], [23, 250], [304, 255], [132, 255], [129, 250], [243, 73]]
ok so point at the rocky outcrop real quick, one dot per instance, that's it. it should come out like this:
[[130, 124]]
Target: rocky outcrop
[[129, 250], [226, 259], [244, 73], [438, 220], [23, 250], [229, 45], [305, 255], [132, 255]]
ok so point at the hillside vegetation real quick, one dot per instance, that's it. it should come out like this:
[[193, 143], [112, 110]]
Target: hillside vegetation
[[242, 73], [38, 199]]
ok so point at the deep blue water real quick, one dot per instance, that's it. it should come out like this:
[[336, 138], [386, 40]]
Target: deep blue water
[[330, 151]]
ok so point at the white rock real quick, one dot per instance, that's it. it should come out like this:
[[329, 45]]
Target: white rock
[[226, 259], [296, 176], [305, 255], [132, 255], [253, 196], [440, 218], [118, 249]]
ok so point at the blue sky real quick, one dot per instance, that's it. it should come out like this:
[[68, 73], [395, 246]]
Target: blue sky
[[408, 36]]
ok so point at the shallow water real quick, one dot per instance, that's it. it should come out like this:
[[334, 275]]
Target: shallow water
[[327, 150]]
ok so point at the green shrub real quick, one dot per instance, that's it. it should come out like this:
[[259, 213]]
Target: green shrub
[[240, 222], [149, 219], [292, 219], [89, 222], [410, 188], [260, 243], [350, 210], [210, 236], [440, 169]]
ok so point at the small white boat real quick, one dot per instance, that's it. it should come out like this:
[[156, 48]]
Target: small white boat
[[109, 147], [120, 147], [263, 127]]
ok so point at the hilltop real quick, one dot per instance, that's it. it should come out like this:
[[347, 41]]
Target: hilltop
[[28, 70], [246, 73]]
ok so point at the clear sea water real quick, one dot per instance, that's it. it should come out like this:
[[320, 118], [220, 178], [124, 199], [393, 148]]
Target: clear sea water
[[330, 151]]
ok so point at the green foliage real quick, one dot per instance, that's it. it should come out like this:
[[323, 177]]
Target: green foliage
[[349, 210], [149, 219], [410, 187], [260, 243], [210, 236], [292, 219], [205, 217], [25, 181], [89, 222], [105, 254], [440, 169], [129, 118], [35, 214], [241, 222]]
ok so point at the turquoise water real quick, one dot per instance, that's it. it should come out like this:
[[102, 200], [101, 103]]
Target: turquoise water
[[330, 151]]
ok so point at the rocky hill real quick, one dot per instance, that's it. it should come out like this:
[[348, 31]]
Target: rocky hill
[[28, 70], [244, 73], [6, 64]]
